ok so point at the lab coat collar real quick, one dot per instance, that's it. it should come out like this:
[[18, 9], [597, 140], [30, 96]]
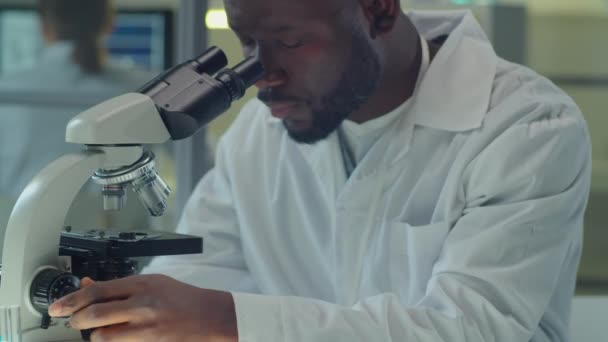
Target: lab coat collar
[[454, 94]]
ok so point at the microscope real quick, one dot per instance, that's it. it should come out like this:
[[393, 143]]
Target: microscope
[[43, 260]]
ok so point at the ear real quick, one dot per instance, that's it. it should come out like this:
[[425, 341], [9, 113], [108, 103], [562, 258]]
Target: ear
[[381, 15]]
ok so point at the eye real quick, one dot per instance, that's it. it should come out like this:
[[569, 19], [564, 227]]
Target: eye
[[291, 44], [247, 43]]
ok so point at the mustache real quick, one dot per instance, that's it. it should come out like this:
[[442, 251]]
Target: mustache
[[268, 95]]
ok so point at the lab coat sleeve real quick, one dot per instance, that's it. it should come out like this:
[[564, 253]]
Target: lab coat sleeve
[[210, 213], [525, 195]]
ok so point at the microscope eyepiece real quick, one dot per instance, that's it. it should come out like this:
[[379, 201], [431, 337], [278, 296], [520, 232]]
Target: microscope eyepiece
[[242, 76], [250, 71]]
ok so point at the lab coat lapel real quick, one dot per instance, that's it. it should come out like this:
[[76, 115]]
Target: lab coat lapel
[[326, 162], [454, 94]]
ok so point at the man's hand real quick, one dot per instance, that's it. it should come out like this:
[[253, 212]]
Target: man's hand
[[149, 308]]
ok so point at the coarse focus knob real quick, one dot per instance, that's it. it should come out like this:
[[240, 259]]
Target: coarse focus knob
[[49, 286]]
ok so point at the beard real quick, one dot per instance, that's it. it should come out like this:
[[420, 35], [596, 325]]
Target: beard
[[354, 87]]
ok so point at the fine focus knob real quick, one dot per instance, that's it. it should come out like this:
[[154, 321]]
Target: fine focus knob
[[49, 286]]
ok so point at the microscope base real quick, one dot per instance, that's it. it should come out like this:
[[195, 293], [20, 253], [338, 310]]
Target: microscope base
[[11, 329]]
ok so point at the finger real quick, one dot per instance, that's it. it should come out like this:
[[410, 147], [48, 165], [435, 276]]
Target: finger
[[123, 333], [95, 293], [110, 313]]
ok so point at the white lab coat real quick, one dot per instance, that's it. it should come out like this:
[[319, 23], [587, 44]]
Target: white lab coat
[[462, 223], [33, 134]]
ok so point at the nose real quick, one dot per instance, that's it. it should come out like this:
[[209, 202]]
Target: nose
[[274, 74], [271, 79]]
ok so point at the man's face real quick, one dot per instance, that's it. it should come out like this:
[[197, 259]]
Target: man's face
[[320, 65]]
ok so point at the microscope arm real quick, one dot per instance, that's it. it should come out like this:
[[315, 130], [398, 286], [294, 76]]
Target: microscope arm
[[34, 229]]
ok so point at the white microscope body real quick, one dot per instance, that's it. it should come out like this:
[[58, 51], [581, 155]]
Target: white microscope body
[[113, 132], [172, 106]]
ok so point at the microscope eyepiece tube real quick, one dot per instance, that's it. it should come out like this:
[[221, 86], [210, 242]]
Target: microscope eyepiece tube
[[250, 71], [189, 100], [210, 62], [236, 80]]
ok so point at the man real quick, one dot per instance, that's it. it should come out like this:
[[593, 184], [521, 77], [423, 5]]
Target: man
[[446, 207]]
